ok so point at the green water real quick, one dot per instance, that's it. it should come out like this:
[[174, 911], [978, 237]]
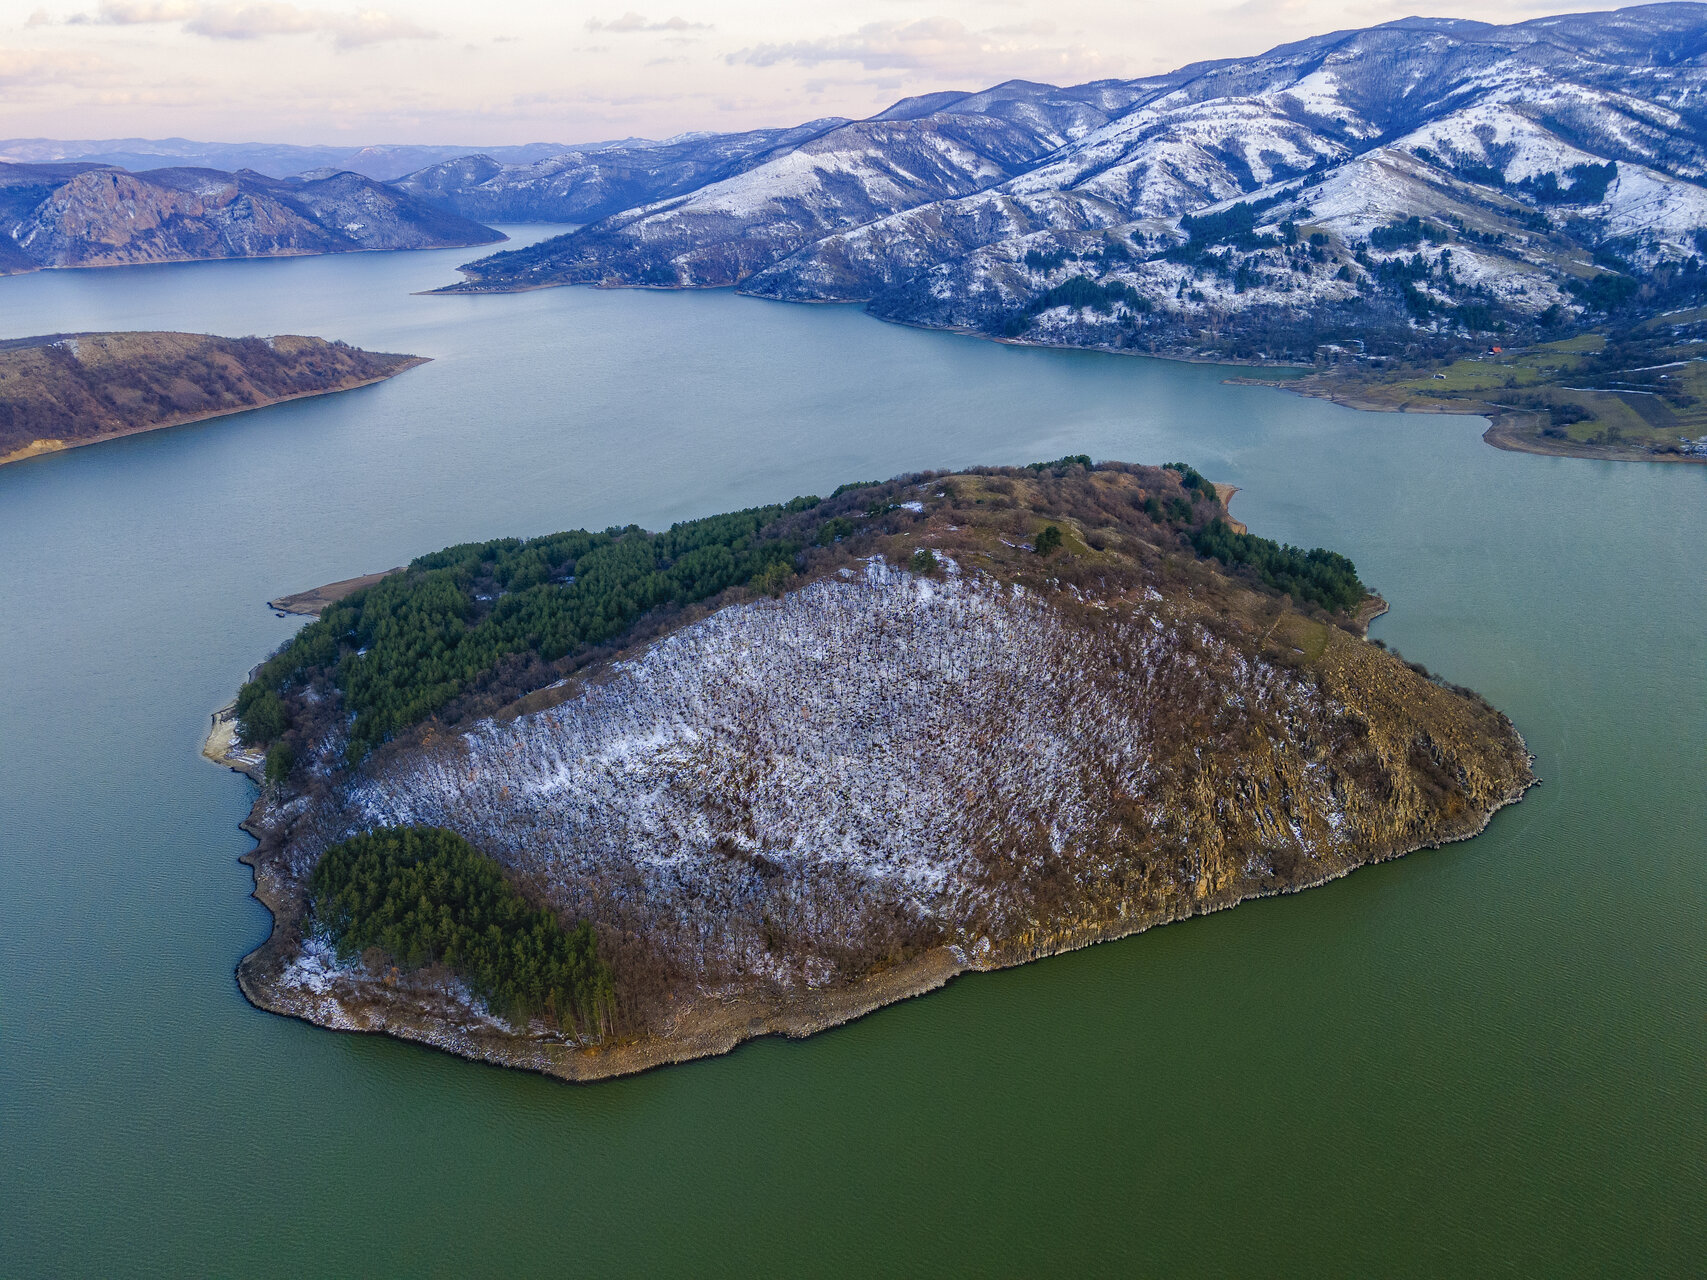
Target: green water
[[1486, 1059]]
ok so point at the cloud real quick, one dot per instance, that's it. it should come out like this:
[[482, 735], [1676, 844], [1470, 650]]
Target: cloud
[[256, 21], [64, 78], [939, 46], [20, 67], [252, 21], [131, 13], [631, 23]]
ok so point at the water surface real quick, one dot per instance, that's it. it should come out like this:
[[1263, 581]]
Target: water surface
[[1487, 1058]]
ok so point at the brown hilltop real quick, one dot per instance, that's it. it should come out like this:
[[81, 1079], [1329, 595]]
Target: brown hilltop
[[64, 390]]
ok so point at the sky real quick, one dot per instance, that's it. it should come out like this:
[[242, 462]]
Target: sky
[[515, 71]]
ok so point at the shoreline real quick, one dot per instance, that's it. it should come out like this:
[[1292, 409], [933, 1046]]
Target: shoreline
[[503, 238], [41, 448], [465, 289], [220, 745], [313, 602], [294, 973], [1506, 438], [1498, 434], [717, 1025], [1225, 493]]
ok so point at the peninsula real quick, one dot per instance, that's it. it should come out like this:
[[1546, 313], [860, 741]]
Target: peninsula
[[64, 390], [1632, 395], [590, 803]]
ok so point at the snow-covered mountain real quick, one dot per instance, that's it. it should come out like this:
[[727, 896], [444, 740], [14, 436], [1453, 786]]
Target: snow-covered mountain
[[588, 183], [917, 152], [80, 215], [1424, 177]]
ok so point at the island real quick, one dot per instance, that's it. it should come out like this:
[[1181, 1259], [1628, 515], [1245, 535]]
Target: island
[[63, 390], [594, 802]]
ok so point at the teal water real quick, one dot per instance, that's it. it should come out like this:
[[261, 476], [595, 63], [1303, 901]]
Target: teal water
[[1486, 1059]]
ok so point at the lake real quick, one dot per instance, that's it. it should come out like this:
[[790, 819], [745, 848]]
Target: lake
[[1486, 1058]]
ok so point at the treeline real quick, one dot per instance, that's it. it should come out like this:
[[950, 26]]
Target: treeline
[[470, 628], [1079, 293], [1319, 576], [424, 895], [404, 648], [1589, 182], [1234, 225], [1191, 478], [1408, 233], [1109, 247], [1604, 291]]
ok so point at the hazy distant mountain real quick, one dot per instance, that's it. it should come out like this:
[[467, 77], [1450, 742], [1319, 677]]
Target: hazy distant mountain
[[278, 160], [1423, 176], [80, 215], [586, 183]]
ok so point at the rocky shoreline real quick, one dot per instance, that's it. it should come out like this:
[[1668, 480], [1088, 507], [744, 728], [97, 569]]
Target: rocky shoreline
[[716, 1024]]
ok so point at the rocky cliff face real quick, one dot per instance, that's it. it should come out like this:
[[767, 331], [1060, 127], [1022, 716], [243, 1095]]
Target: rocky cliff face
[[83, 216], [797, 808], [1532, 157]]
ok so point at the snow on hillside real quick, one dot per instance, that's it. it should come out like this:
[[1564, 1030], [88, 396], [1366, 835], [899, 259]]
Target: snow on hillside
[[1177, 155], [1494, 135], [1499, 138], [1663, 213], [877, 176], [862, 755]]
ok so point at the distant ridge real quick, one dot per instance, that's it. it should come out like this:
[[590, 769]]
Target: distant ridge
[[1403, 188], [276, 160], [85, 215]]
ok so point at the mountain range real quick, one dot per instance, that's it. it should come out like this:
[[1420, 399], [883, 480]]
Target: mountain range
[[1413, 188], [1421, 182]]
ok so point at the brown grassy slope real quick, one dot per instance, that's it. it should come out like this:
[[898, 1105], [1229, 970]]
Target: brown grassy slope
[[66, 390]]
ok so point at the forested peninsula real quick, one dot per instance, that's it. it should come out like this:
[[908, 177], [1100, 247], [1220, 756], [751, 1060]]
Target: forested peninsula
[[63, 390], [593, 802]]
